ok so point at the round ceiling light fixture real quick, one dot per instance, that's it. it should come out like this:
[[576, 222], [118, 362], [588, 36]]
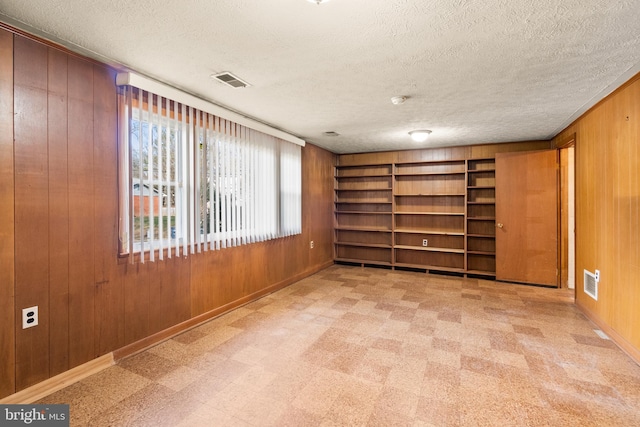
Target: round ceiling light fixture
[[318, 1], [420, 135], [397, 100]]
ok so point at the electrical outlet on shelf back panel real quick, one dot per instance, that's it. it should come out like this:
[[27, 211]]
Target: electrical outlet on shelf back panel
[[425, 242]]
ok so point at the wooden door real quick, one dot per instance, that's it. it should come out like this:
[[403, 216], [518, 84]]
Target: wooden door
[[527, 217]]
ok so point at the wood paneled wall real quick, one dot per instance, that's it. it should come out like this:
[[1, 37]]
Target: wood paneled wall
[[7, 226], [60, 251], [441, 154], [607, 140]]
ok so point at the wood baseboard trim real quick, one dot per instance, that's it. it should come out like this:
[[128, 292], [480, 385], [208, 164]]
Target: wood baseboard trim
[[60, 381], [618, 339], [157, 338]]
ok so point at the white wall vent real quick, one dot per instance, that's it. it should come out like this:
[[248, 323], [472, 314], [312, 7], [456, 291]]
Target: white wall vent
[[230, 80], [591, 284]]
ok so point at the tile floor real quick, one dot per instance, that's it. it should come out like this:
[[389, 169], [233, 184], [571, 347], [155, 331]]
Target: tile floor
[[355, 346]]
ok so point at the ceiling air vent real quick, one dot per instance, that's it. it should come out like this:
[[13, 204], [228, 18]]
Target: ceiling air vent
[[230, 80], [331, 133]]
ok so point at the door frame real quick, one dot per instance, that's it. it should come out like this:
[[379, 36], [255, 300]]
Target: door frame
[[570, 232]]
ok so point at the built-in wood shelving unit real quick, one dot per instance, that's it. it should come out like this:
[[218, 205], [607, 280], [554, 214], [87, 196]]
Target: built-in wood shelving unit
[[364, 214], [429, 215], [481, 217], [409, 214], [432, 215], [430, 209]]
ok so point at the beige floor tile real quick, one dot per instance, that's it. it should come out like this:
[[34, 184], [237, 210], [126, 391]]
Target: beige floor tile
[[115, 383], [352, 346], [180, 378]]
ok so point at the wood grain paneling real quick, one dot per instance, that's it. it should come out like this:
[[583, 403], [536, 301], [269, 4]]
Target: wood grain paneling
[[490, 150], [168, 298], [81, 213], [64, 189], [433, 154], [367, 158], [31, 209], [57, 121], [7, 278], [440, 154], [205, 291], [136, 302], [607, 140]]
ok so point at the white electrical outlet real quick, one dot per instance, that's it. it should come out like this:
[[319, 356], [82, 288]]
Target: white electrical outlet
[[597, 275], [425, 242], [311, 244], [29, 317]]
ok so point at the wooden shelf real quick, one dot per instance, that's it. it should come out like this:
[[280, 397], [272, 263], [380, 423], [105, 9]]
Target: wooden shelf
[[481, 203], [430, 267], [481, 187], [481, 253], [441, 233], [363, 245], [411, 162], [481, 164], [482, 236], [364, 176], [364, 166], [363, 261], [431, 213], [482, 273], [430, 173], [375, 229], [363, 212], [430, 249], [429, 195], [364, 189], [381, 170], [363, 203], [481, 218], [480, 170]]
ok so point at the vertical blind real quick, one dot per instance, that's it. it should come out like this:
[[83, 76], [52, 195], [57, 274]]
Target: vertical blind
[[192, 182]]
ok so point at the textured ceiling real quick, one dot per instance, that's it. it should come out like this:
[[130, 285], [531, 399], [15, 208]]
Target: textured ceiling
[[474, 71]]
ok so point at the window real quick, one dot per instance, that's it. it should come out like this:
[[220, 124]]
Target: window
[[191, 181]]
